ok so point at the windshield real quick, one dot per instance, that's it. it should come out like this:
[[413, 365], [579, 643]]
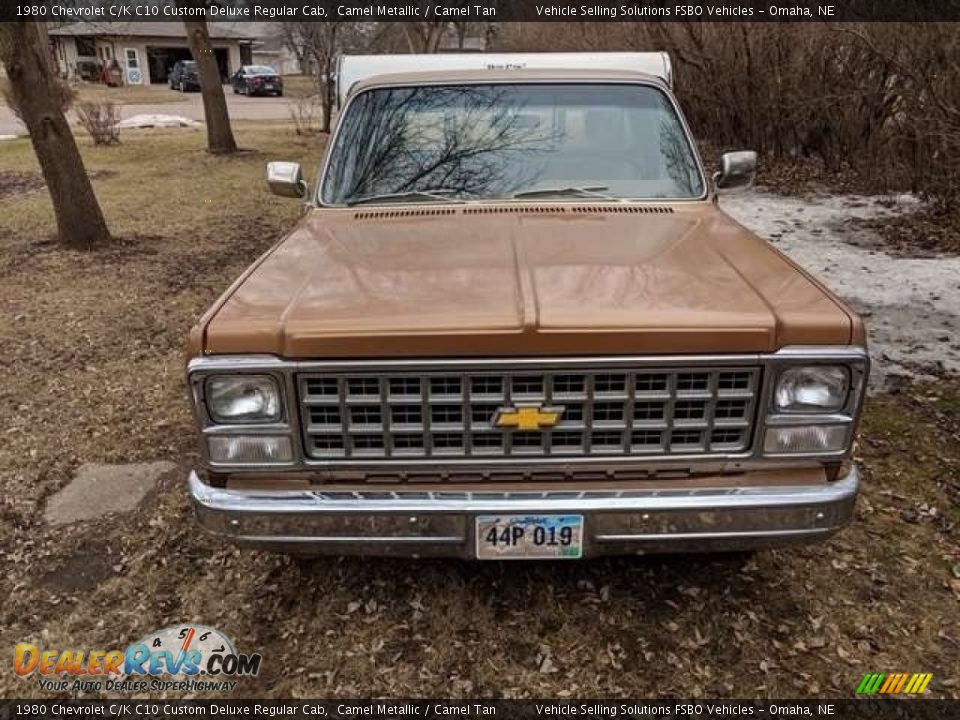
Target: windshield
[[483, 142]]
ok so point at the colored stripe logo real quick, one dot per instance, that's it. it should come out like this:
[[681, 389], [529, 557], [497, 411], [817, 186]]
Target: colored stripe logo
[[894, 683]]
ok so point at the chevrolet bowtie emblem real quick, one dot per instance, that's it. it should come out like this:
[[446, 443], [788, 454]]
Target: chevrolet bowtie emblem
[[527, 417]]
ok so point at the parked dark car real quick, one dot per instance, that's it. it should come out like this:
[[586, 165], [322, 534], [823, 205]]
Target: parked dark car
[[184, 76], [257, 80]]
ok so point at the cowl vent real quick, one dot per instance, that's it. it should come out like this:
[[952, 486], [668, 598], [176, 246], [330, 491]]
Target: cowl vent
[[516, 210], [411, 212], [644, 209]]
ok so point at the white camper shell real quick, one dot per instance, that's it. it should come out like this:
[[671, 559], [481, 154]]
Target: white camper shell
[[351, 69]]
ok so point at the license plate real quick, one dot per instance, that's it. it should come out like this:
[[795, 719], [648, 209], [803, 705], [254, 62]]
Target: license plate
[[529, 537], [269, 86]]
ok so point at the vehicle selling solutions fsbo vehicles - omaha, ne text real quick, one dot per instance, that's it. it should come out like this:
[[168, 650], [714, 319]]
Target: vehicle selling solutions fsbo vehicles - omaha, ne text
[[514, 323]]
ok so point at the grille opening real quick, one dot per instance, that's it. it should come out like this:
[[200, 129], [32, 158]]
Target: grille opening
[[573, 413], [486, 386], [690, 409], [734, 380], [606, 439], [651, 382], [328, 442], [648, 410], [406, 415], [440, 386], [569, 385], [608, 411], [407, 441], [483, 413], [363, 386], [325, 415], [405, 387], [527, 385], [368, 442], [692, 381], [365, 415], [686, 437], [446, 414], [322, 386], [730, 409], [646, 438], [487, 440], [726, 436], [610, 383], [566, 439], [527, 439], [447, 440]]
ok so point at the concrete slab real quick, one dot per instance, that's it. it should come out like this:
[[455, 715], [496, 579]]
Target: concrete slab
[[100, 489]]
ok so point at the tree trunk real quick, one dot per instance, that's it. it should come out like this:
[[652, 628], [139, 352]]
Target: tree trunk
[[327, 104], [219, 133], [80, 222]]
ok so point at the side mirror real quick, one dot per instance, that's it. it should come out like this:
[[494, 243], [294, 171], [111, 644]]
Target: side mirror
[[286, 179], [737, 170]]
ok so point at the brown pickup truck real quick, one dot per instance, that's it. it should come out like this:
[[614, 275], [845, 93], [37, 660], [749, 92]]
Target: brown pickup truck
[[514, 323]]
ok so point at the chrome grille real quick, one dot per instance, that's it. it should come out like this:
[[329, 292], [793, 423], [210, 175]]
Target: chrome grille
[[605, 413]]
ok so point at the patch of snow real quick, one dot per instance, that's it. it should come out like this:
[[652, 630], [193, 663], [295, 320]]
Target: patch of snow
[[150, 120], [7, 137], [911, 306]]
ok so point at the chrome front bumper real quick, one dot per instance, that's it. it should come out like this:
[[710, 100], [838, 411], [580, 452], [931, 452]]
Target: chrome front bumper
[[440, 524]]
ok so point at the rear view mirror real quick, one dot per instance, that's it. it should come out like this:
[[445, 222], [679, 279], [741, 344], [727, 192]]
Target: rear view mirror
[[286, 179], [737, 171]]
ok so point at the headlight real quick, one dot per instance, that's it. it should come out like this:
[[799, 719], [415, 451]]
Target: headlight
[[818, 388], [243, 399]]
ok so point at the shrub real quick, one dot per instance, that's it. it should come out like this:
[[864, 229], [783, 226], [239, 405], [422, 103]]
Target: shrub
[[100, 120], [307, 114]]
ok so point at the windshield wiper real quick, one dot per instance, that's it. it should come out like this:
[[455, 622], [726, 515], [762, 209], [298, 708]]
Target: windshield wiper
[[433, 194], [591, 191]]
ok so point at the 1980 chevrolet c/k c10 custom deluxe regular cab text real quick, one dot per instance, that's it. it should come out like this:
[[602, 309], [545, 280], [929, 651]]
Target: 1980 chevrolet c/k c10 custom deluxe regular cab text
[[514, 323]]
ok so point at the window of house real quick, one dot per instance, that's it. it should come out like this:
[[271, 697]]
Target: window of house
[[86, 47], [132, 60]]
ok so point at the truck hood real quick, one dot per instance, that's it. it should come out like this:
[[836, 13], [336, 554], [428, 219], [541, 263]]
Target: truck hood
[[521, 280]]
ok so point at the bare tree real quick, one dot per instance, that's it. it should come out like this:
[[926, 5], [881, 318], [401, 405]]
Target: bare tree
[[424, 37], [320, 43], [219, 132], [34, 89]]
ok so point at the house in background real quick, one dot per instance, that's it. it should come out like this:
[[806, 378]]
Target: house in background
[[144, 51], [269, 46]]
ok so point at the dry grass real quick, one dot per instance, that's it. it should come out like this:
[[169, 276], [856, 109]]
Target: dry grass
[[300, 85], [126, 95], [92, 369]]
